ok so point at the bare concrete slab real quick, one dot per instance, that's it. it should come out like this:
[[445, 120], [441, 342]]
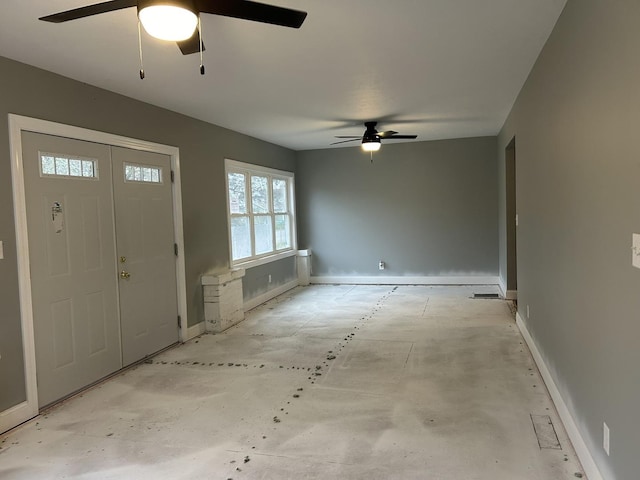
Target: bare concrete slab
[[353, 382]]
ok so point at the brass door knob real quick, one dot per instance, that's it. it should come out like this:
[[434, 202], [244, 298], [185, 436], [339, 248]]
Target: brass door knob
[[124, 274]]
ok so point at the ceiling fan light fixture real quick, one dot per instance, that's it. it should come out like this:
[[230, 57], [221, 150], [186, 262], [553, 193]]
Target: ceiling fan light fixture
[[168, 20], [371, 144]]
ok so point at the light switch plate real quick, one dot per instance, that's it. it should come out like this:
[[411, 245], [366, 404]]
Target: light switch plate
[[635, 250]]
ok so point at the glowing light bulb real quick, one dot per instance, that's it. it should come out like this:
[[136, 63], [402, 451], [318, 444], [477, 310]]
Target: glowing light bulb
[[371, 146], [168, 22]]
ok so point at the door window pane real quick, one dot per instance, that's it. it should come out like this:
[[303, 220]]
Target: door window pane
[[62, 166], [88, 169], [279, 195], [240, 238], [283, 232], [48, 165], [259, 194], [75, 167], [237, 193], [263, 234]]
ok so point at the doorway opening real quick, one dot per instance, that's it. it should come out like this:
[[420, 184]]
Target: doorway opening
[[512, 220]]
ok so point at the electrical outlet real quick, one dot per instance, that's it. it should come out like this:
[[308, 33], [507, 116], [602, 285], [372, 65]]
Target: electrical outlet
[[527, 312], [606, 437], [269, 278], [381, 265]]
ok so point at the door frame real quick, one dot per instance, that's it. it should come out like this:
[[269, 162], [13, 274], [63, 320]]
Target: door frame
[[17, 124], [511, 212]]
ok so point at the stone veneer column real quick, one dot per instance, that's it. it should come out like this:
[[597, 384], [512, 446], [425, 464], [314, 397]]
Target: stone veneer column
[[223, 302]]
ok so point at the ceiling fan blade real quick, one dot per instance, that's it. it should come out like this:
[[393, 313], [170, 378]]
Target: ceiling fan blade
[[191, 45], [345, 141], [348, 136], [89, 10], [254, 11], [401, 136], [386, 134]]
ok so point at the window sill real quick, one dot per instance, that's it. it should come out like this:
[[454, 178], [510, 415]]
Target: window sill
[[264, 260]]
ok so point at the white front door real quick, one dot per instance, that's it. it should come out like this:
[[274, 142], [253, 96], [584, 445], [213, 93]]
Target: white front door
[[73, 274], [146, 255], [89, 321]]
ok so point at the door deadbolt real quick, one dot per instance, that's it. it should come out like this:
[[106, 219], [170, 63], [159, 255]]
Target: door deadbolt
[[123, 259], [124, 274]]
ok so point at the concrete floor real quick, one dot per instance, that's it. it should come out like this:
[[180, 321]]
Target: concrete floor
[[426, 383]]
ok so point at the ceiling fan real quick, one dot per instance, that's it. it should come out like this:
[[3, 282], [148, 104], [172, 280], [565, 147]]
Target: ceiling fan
[[371, 139], [179, 20]]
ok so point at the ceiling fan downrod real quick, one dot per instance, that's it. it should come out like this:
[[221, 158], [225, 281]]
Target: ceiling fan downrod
[[201, 45], [140, 50]]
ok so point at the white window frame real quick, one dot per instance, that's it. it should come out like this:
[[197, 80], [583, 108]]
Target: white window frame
[[247, 169]]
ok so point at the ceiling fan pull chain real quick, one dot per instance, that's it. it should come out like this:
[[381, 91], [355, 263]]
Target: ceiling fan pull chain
[[140, 49], [200, 35]]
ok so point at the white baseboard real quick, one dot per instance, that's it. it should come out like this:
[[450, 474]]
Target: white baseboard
[[502, 285], [589, 465], [507, 294], [381, 280], [16, 415], [265, 297], [511, 295], [195, 330]]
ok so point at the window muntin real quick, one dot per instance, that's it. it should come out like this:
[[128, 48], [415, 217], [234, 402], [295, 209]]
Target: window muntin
[[65, 166], [261, 211], [142, 173]]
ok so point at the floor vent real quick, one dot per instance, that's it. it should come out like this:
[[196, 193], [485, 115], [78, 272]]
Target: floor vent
[[546, 433], [486, 295]]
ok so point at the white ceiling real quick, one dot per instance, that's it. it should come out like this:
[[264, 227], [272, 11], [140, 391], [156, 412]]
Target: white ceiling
[[437, 68]]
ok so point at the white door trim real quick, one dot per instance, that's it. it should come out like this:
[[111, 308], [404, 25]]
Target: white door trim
[[17, 124]]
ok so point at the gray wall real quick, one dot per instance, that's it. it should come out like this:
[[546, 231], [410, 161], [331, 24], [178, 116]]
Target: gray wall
[[425, 208], [28, 91], [256, 280], [578, 165]]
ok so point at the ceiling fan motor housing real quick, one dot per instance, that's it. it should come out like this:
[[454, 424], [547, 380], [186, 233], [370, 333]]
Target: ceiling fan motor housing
[[370, 134]]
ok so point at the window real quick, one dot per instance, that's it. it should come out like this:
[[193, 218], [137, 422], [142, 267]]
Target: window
[[57, 165], [142, 173], [261, 212]]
